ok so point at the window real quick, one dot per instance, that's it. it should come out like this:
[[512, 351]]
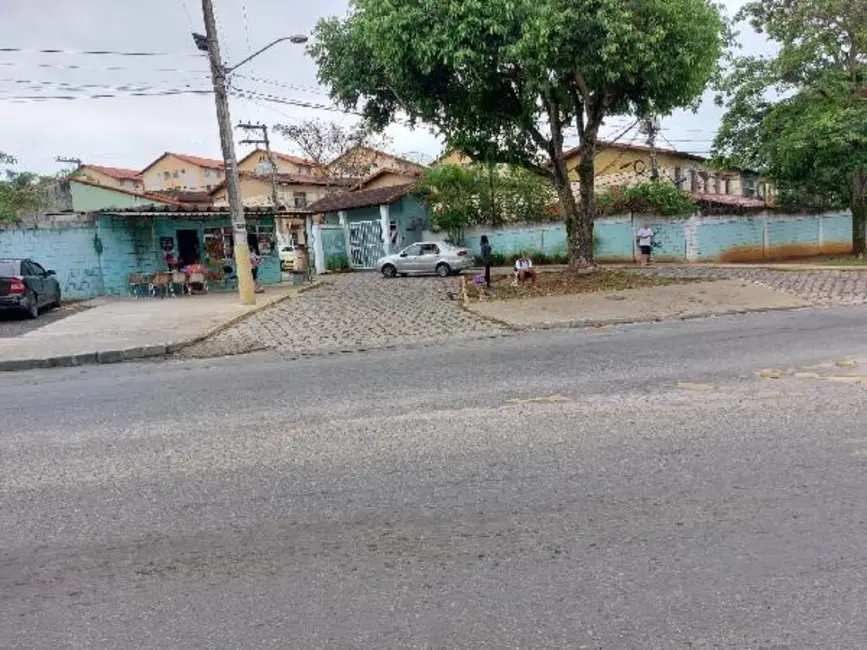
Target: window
[[300, 199], [430, 249], [9, 268], [677, 176], [412, 251], [36, 269], [175, 174], [183, 171], [693, 180], [167, 175], [207, 173]]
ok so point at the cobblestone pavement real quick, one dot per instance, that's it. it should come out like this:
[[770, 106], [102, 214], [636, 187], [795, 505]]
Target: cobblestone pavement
[[353, 312], [818, 287]]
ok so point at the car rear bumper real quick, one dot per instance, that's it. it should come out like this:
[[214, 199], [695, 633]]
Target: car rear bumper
[[16, 301]]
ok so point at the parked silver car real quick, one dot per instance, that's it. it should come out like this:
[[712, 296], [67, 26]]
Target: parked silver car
[[426, 257]]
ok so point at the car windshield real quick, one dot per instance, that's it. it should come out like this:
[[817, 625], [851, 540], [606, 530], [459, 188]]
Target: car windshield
[[9, 268]]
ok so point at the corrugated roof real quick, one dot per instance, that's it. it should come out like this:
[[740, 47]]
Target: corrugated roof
[[362, 198], [119, 173]]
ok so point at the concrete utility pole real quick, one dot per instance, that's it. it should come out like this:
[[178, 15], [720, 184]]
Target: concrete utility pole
[[243, 270], [264, 140]]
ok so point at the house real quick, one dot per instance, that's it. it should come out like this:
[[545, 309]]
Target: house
[[175, 171], [87, 196], [360, 162], [623, 164], [129, 179], [257, 162], [364, 225], [387, 177], [293, 190]]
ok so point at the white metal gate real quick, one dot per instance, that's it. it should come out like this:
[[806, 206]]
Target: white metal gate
[[365, 244]]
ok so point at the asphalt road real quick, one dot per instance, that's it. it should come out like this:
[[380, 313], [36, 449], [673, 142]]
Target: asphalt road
[[544, 490]]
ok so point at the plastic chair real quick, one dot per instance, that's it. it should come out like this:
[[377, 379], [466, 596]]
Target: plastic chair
[[178, 280], [137, 285], [199, 279]]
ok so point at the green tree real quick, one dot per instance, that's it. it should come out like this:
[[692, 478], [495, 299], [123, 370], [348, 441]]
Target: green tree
[[452, 192], [800, 117], [20, 192], [503, 80]]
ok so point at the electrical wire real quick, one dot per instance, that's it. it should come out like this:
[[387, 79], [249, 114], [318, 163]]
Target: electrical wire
[[110, 68], [96, 52], [281, 84], [26, 99]]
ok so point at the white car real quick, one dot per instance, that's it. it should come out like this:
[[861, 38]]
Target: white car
[[426, 257], [287, 258]]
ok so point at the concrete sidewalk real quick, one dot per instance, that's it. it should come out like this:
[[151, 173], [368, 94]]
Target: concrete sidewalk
[[121, 329], [723, 297]]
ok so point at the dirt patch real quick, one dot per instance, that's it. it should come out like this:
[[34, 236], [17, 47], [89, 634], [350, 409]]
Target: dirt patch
[[564, 283]]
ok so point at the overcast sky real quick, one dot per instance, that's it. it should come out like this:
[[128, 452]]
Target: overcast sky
[[133, 131]]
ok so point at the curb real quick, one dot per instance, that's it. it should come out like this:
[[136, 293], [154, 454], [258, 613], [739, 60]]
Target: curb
[[583, 324], [119, 355]]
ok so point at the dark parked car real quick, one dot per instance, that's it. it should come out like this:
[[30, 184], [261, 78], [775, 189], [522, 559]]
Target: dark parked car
[[26, 286]]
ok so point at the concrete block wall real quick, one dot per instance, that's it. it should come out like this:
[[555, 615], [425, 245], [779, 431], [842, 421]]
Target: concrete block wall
[[69, 251], [769, 236], [127, 247]]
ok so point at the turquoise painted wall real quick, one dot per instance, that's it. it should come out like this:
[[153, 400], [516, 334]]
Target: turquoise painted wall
[[87, 198], [403, 212], [700, 239], [69, 251]]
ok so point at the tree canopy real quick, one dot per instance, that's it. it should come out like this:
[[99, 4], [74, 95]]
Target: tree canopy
[[800, 117], [463, 196], [505, 80]]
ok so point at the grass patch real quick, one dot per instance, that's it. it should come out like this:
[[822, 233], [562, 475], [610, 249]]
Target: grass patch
[[563, 283]]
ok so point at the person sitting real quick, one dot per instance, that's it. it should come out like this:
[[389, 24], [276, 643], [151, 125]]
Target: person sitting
[[524, 270]]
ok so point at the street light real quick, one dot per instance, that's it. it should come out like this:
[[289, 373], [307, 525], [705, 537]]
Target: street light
[[209, 43]]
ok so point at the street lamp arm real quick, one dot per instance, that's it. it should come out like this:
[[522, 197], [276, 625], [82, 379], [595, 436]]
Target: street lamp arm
[[294, 39]]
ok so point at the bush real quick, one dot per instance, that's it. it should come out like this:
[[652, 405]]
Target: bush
[[337, 264]]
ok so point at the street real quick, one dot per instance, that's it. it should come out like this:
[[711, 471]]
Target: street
[[625, 487]]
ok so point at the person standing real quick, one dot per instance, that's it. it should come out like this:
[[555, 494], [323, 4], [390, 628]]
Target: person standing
[[486, 259], [645, 243], [255, 258]]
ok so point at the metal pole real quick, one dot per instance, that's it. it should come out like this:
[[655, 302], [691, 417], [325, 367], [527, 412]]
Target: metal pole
[[239, 223]]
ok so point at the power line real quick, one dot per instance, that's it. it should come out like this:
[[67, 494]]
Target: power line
[[110, 68], [38, 86], [26, 99], [95, 52], [282, 84]]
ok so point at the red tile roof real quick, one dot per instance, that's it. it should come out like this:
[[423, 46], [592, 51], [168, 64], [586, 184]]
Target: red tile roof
[[362, 198], [628, 146], [382, 172], [208, 163], [290, 179], [115, 172], [295, 160]]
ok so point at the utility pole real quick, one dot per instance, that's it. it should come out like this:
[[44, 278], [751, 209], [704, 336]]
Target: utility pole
[[264, 140], [651, 127], [239, 224]]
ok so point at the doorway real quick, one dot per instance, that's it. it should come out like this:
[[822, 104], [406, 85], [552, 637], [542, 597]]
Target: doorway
[[188, 246]]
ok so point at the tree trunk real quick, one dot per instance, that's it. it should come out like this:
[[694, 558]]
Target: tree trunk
[[859, 212], [580, 236]]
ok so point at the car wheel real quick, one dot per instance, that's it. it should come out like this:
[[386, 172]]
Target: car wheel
[[33, 306], [389, 271], [444, 270]]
